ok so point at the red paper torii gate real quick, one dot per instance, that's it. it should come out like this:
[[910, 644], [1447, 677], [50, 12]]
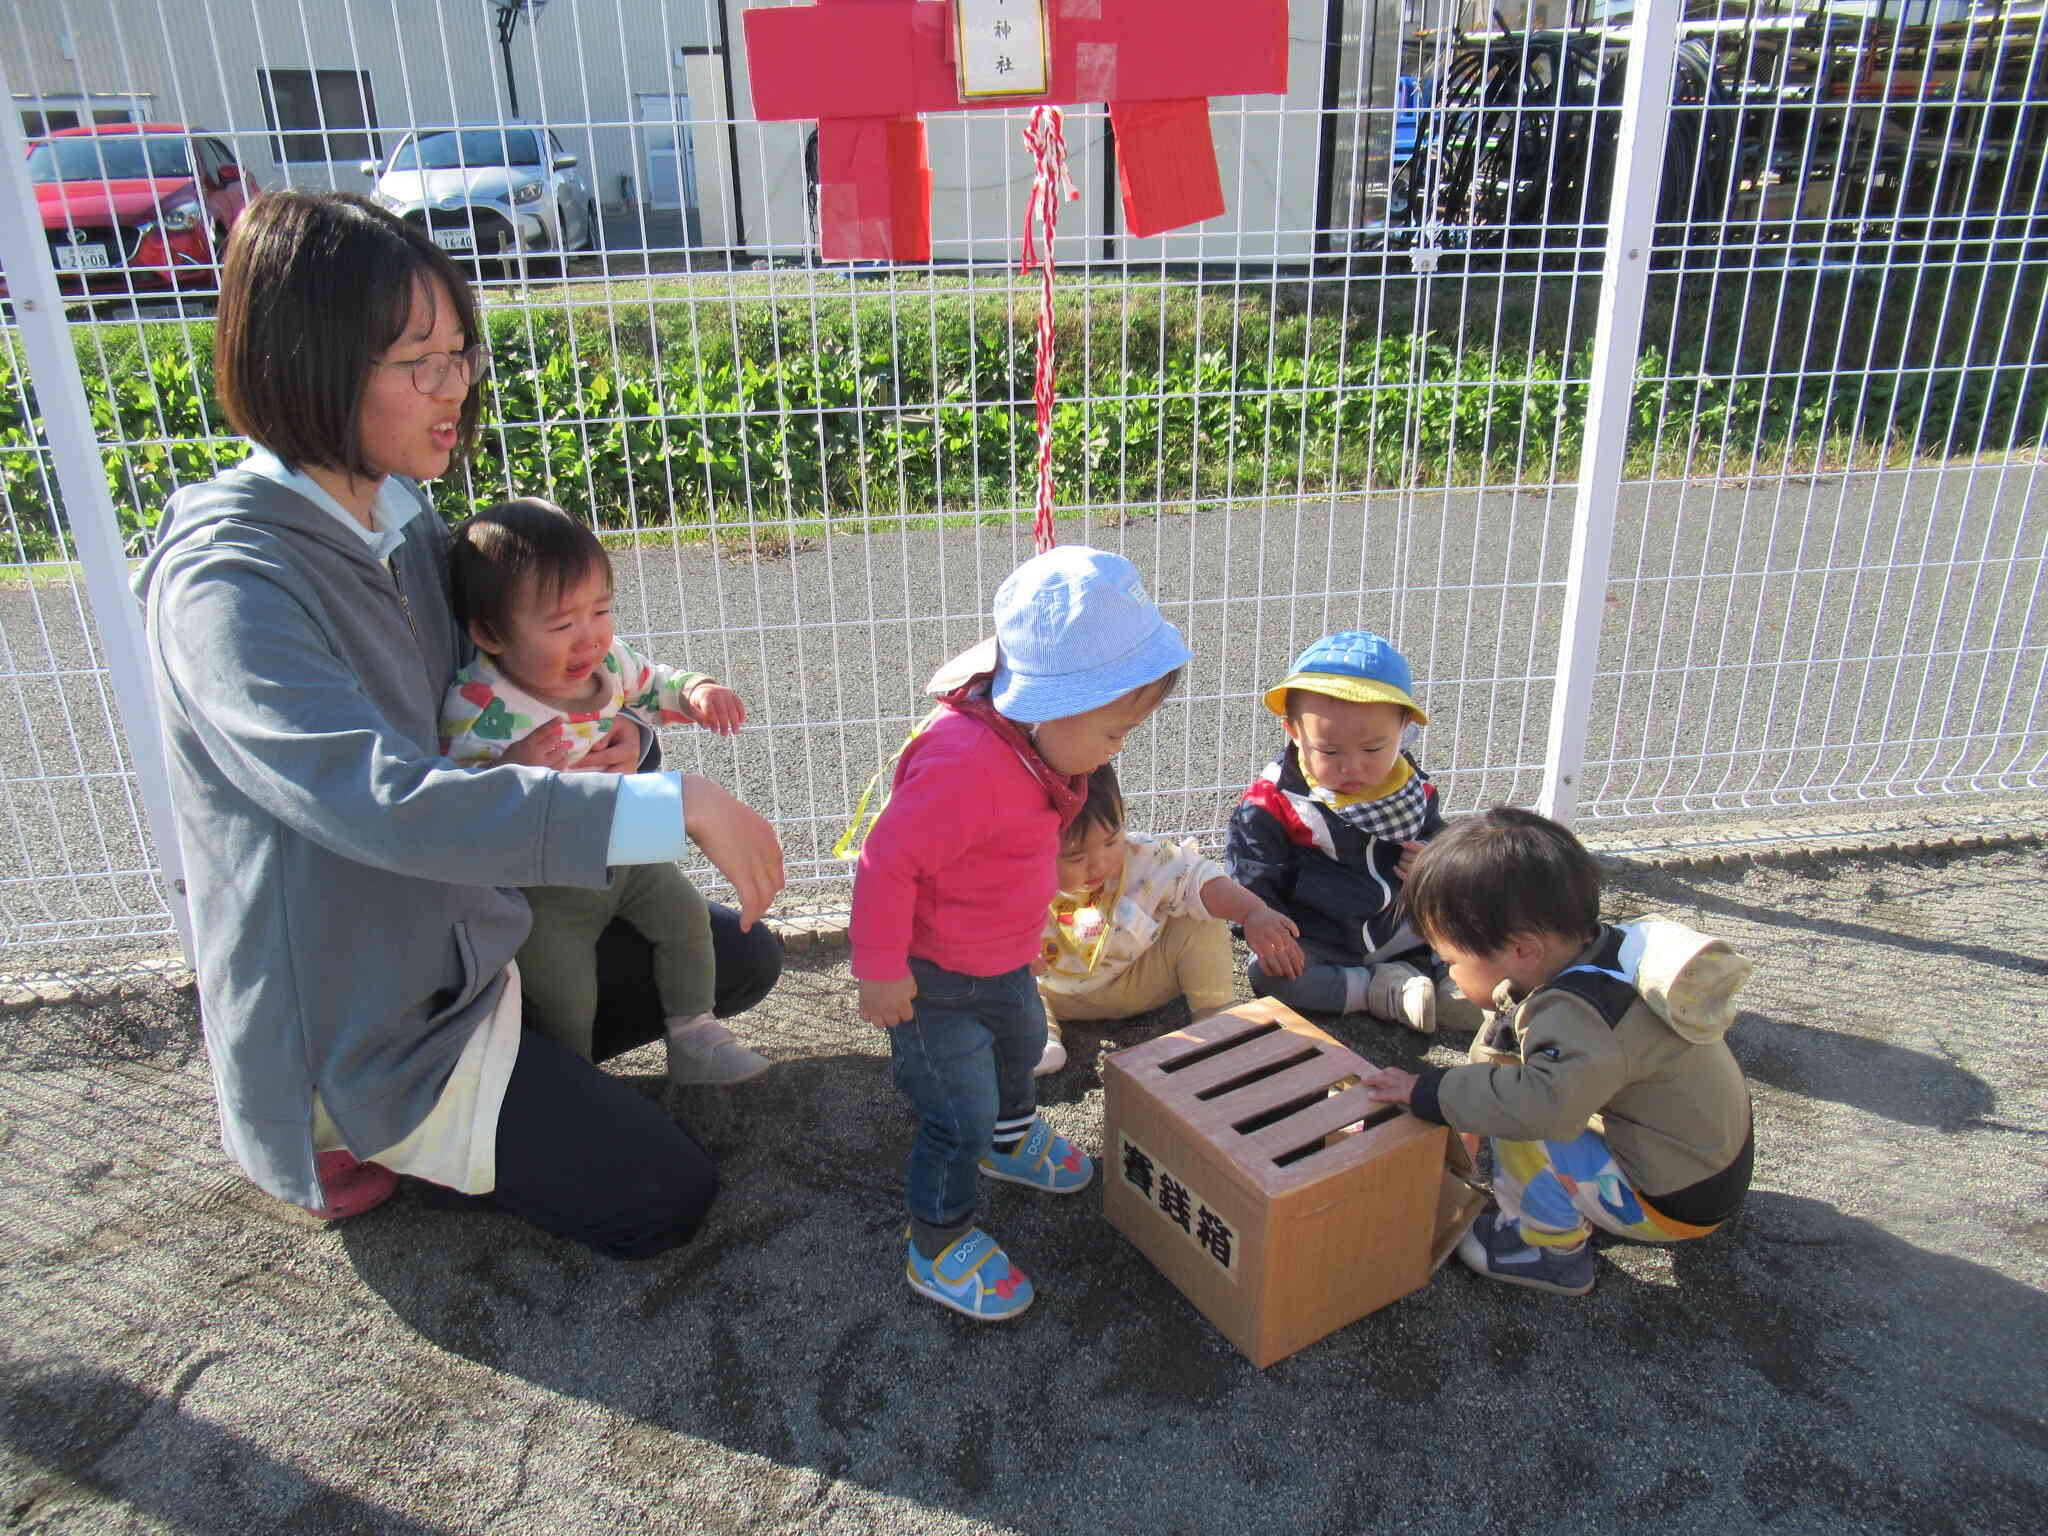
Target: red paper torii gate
[[865, 69]]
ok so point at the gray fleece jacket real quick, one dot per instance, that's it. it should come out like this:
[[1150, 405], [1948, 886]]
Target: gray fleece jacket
[[343, 876]]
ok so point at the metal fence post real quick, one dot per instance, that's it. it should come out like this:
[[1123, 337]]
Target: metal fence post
[[1624, 276], [95, 531]]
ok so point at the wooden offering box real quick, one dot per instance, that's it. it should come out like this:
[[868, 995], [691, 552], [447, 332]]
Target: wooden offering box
[[1236, 1162]]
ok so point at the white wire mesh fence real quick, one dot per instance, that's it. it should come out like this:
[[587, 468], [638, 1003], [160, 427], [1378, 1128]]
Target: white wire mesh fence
[[1361, 397]]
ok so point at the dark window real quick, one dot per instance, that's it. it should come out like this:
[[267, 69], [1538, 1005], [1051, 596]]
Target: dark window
[[37, 121], [317, 115], [467, 149], [110, 157], [225, 157], [213, 158]]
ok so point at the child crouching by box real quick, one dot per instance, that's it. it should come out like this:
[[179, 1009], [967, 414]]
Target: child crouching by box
[[1606, 1083]]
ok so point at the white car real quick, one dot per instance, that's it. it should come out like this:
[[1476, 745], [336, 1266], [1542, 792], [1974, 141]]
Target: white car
[[492, 192]]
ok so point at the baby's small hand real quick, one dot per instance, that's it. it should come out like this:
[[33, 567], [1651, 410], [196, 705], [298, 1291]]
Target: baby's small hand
[[1271, 937], [1388, 1085], [885, 1004], [546, 746], [1405, 865], [718, 708], [618, 752]]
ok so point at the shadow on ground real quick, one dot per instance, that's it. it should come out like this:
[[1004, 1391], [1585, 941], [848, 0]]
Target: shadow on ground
[[86, 1430], [1860, 1349]]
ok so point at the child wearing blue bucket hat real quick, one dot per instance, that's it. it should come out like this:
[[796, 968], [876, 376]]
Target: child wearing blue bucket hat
[[952, 888], [1328, 833]]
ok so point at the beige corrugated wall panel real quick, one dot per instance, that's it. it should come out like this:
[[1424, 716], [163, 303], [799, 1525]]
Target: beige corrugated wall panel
[[594, 63], [429, 62], [771, 160], [202, 59], [109, 50]]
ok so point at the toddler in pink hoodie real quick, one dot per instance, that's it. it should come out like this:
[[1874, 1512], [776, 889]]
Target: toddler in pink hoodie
[[952, 889]]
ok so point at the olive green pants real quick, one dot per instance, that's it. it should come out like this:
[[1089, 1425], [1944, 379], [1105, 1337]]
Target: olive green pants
[[558, 962], [1190, 958]]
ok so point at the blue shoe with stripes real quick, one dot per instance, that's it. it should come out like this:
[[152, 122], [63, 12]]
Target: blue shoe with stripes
[[1042, 1160], [974, 1277]]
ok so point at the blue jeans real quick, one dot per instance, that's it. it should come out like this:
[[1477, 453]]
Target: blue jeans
[[964, 1059]]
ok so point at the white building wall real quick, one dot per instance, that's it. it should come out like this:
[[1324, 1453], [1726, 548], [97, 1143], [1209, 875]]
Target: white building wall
[[581, 69], [584, 67], [592, 61], [1266, 151], [771, 160]]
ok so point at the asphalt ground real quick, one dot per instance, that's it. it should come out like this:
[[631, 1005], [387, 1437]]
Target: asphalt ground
[[1792, 645], [1861, 1349]]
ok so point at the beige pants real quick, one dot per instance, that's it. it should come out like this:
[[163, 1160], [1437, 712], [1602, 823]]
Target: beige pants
[[1190, 958]]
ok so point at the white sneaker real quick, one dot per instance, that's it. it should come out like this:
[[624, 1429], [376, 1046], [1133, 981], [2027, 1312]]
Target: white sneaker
[[703, 1051], [1455, 1012], [1401, 994], [1055, 1055]]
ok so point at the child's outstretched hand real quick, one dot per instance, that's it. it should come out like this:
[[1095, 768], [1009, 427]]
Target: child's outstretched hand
[[718, 708], [885, 1004], [545, 746], [1388, 1085], [1410, 852], [1271, 937]]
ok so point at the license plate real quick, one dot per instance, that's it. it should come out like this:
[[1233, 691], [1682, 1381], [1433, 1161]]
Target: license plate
[[455, 239], [80, 258]]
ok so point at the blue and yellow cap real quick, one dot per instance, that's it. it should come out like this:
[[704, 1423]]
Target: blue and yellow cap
[[1353, 664]]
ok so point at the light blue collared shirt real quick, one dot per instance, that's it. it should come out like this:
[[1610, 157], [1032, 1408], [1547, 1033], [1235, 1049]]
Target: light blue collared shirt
[[647, 819], [392, 509]]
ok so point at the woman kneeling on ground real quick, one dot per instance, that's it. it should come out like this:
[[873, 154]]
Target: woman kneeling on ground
[[346, 881]]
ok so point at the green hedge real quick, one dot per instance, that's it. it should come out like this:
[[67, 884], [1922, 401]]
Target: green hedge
[[696, 412]]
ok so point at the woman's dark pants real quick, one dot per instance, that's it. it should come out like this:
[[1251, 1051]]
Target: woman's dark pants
[[588, 1156]]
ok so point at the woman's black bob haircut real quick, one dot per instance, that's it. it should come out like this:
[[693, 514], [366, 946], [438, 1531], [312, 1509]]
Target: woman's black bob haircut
[[316, 287]]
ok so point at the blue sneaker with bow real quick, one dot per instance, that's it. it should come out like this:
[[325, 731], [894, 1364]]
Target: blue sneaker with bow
[[1044, 1161], [973, 1276]]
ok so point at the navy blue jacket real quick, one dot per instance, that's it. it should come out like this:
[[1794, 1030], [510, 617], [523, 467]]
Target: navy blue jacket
[[1303, 859]]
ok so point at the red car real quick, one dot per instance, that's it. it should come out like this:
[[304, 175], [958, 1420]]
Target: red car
[[136, 206]]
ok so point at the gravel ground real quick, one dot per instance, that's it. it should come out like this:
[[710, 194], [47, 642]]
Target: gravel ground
[[1862, 1349]]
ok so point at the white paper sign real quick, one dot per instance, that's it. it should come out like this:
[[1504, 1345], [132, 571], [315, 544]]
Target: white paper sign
[[1002, 48], [1159, 1187]]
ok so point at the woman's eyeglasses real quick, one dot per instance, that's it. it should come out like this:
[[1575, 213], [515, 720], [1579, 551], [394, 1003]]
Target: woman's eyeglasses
[[429, 373]]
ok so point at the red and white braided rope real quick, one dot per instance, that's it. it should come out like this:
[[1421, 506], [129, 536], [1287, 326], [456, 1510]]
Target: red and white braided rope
[[1046, 138]]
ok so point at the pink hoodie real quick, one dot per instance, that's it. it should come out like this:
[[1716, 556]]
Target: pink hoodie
[[962, 864]]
